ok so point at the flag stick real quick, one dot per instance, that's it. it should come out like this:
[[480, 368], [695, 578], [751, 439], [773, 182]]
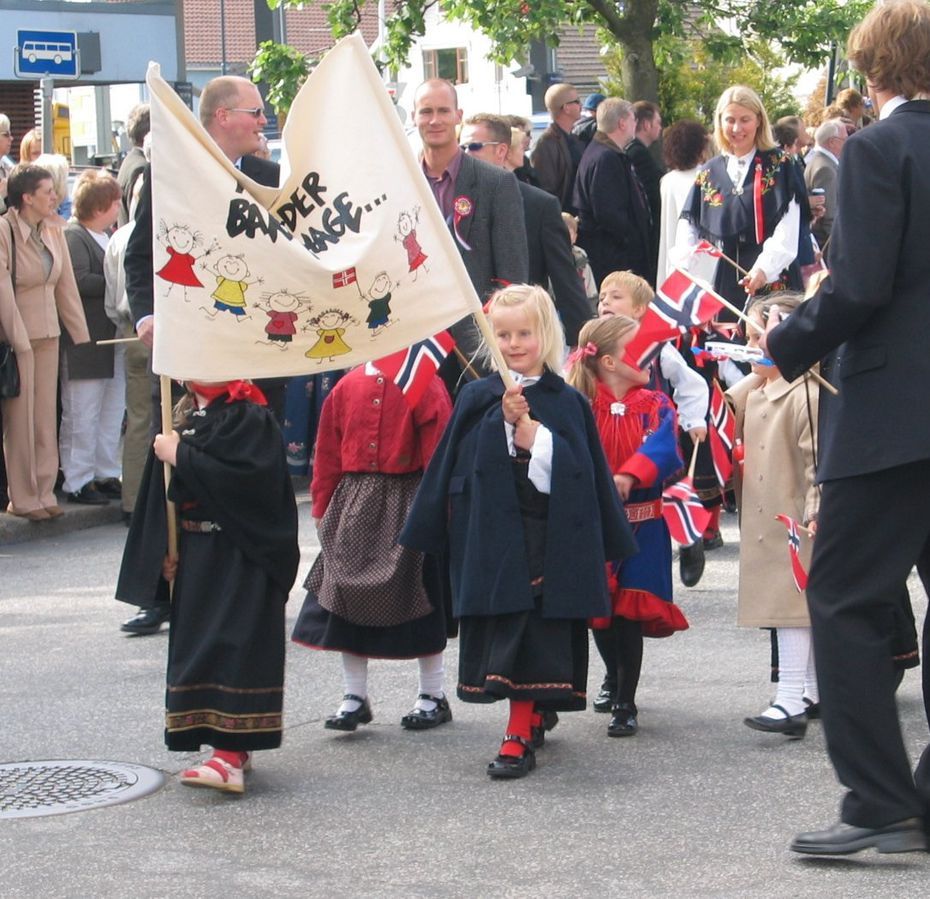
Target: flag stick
[[693, 462], [719, 253], [116, 340], [466, 363], [745, 318], [167, 428], [481, 320]]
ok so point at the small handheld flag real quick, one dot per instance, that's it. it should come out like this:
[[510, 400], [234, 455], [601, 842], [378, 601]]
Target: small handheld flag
[[721, 434], [794, 549], [683, 513], [412, 369]]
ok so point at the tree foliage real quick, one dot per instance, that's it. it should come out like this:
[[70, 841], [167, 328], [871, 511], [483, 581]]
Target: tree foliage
[[803, 30], [283, 69]]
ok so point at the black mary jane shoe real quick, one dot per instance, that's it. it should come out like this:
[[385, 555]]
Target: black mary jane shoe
[[604, 701], [812, 708], [623, 722], [792, 726], [691, 563], [348, 721], [418, 719], [549, 721], [513, 766]]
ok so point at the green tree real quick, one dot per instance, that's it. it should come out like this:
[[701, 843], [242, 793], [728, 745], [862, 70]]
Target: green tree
[[804, 30], [283, 69]]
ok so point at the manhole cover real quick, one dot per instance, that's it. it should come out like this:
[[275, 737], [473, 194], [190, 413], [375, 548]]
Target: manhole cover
[[36, 789]]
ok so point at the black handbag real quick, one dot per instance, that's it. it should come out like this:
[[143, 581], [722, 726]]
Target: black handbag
[[9, 370]]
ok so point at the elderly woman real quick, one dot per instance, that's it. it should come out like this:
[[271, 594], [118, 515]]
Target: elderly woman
[[746, 202], [59, 167], [37, 289], [93, 380]]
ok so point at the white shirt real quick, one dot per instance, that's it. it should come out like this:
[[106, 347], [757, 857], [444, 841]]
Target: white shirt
[[540, 470]]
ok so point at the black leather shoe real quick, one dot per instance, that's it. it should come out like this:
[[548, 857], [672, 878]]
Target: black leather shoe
[[623, 723], [350, 720], [88, 495], [715, 541], [111, 488], [842, 839], [510, 766], [813, 709], [691, 563], [793, 726], [417, 719], [549, 721], [147, 621], [604, 701]]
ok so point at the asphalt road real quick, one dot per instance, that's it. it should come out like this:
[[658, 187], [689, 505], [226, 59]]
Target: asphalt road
[[695, 805]]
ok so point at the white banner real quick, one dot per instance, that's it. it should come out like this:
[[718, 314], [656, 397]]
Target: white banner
[[347, 261]]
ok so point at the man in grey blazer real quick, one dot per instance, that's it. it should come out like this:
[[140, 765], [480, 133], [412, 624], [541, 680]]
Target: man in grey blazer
[[822, 170], [480, 203]]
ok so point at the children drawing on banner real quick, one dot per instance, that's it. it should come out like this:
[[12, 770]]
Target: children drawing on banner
[[777, 423], [407, 235], [330, 326], [624, 293], [179, 242], [236, 563], [524, 581], [368, 597], [639, 430], [379, 303], [283, 309], [232, 281]]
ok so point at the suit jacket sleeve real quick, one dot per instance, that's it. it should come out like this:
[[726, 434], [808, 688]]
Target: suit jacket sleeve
[[825, 176], [857, 286], [67, 297], [138, 265]]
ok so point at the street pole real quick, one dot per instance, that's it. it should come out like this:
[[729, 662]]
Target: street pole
[[223, 37], [47, 124]]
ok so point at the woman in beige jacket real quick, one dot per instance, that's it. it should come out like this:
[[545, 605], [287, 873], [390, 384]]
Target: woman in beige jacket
[[777, 423], [32, 245]]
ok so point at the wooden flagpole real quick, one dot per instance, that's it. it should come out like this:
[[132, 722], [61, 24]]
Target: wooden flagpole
[[745, 318], [693, 462], [167, 427]]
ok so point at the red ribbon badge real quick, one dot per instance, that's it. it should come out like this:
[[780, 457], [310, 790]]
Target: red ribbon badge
[[461, 208]]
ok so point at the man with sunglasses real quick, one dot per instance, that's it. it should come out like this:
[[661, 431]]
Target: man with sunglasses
[[232, 111], [558, 151]]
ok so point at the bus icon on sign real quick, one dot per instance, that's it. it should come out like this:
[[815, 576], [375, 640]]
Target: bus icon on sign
[[40, 54], [57, 53]]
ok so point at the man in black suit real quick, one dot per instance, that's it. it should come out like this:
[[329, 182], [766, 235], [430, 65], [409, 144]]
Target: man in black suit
[[487, 137], [648, 170], [232, 111], [872, 315]]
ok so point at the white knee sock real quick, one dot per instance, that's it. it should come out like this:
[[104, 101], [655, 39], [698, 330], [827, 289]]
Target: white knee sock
[[354, 679], [811, 690], [432, 671], [794, 647]]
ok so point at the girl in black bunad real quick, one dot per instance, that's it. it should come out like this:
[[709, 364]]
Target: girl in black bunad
[[524, 581], [745, 203], [368, 597], [236, 563]]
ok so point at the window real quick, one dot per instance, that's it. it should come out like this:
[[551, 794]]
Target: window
[[450, 63]]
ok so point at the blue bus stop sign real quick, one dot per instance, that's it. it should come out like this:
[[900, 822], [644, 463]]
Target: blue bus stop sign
[[46, 54]]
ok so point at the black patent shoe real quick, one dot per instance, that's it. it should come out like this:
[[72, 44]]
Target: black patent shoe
[[842, 839], [623, 722], [691, 563], [146, 621], [417, 719], [812, 709], [714, 541], [604, 701], [348, 721], [792, 726], [549, 721], [510, 766]]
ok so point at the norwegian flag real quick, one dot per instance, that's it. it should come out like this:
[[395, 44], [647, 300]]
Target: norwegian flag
[[682, 303], [721, 434], [345, 278], [683, 513], [794, 550], [647, 343], [708, 249], [413, 369]]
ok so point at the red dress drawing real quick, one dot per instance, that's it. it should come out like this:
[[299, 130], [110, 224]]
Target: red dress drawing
[[415, 255], [179, 269]]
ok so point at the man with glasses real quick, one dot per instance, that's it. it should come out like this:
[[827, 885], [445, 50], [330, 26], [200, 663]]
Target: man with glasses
[[822, 170], [6, 163], [480, 203], [487, 137], [232, 112], [558, 151]]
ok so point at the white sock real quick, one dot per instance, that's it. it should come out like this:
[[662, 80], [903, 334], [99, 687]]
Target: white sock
[[432, 671], [354, 680], [794, 647], [811, 690]]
